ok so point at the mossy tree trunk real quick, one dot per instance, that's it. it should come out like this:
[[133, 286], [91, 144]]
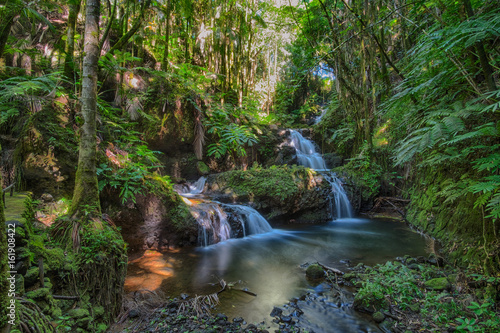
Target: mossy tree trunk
[[69, 64], [86, 193], [3, 267]]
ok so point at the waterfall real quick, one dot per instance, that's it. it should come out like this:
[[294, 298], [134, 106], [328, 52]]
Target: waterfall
[[198, 186], [306, 152], [308, 157], [252, 222], [339, 204], [219, 222], [214, 226]]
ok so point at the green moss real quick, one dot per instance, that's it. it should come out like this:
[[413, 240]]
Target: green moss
[[378, 317], [281, 182], [315, 271], [177, 211], [202, 168], [437, 209], [78, 313], [437, 284], [38, 294]]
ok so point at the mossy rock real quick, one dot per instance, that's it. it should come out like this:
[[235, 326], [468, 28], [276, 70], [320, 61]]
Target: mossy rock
[[55, 258], [38, 294], [378, 317], [315, 271], [78, 313], [31, 277], [202, 168], [98, 311], [438, 284]]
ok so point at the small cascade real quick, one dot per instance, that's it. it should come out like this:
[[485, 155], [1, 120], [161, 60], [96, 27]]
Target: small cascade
[[340, 204], [252, 222], [194, 189], [214, 226], [308, 157], [306, 152], [318, 118], [219, 222]]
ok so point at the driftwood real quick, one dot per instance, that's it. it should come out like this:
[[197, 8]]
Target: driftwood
[[334, 270]]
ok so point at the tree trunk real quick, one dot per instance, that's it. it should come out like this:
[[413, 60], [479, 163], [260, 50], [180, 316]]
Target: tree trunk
[[86, 193], [69, 65]]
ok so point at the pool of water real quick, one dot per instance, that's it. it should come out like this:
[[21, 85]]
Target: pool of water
[[270, 264]]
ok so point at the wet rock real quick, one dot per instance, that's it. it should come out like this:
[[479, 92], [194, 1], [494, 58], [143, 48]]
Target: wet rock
[[437, 284], [184, 296], [286, 319], [276, 312], [315, 272], [221, 316], [46, 197], [238, 320], [134, 313]]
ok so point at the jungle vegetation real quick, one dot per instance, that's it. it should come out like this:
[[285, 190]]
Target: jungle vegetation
[[410, 91]]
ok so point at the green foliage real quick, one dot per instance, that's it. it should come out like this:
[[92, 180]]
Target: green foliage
[[98, 245], [127, 170], [232, 137], [30, 207], [25, 95], [365, 172], [396, 285]]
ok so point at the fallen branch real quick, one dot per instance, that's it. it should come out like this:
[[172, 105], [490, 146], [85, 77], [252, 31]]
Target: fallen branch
[[334, 270]]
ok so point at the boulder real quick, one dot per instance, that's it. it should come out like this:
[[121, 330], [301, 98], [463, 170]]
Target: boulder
[[279, 193], [438, 284]]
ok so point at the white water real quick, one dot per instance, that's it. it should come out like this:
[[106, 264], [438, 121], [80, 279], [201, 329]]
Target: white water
[[214, 227], [306, 152], [309, 157], [252, 222], [342, 207], [213, 219]]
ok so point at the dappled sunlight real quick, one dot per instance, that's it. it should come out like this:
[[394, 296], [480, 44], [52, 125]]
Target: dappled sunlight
[[149, 271]]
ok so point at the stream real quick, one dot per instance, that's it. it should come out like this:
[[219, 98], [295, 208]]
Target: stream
[[271, 262]]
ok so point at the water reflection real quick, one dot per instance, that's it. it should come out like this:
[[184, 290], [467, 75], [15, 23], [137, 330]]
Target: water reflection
[[269, 264]]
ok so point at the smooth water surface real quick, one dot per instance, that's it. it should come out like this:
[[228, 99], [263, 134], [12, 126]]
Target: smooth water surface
[[269, 264]]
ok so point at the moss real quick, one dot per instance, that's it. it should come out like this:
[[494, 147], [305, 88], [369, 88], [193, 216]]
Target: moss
[[55, 258], [378, 317], [438, 284], [282, 182], [177, 211], [202, 168], [453, 220], [78, 313], [38, 294], [315, 272]]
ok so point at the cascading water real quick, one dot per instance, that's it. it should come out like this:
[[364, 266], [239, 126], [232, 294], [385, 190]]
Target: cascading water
[[252, 222], [212, 217], [340, 203], [306, 152], [309, 157], [198, 186]]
